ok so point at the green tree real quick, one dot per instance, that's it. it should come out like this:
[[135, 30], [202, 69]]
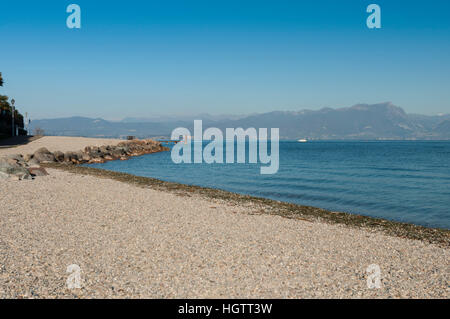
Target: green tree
[[4, 104], [6, 114]]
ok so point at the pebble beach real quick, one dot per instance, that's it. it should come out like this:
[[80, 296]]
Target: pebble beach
[[134, 241]]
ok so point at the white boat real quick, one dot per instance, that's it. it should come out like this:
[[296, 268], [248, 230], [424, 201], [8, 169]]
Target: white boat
[[303, 140]]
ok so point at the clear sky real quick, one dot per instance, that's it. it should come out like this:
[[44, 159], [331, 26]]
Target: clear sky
[[140, 58]]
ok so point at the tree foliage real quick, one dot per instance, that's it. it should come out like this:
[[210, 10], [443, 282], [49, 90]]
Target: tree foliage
[[6, 114], [4, 104]]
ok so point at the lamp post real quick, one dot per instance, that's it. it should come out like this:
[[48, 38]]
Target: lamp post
[[12, 116]]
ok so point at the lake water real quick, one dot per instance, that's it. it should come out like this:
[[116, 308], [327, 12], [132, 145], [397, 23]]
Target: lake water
[[407, 181]]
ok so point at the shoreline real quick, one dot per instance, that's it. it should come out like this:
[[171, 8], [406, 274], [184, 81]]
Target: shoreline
[[439, 236], [140, 237]]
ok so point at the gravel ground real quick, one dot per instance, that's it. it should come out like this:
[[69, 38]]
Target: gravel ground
[[58, 143], [139, 242]]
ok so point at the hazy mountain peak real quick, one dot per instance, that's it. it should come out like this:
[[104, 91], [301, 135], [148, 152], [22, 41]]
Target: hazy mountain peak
[[361, 121]]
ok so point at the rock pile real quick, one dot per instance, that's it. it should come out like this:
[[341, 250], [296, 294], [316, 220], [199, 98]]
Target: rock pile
[[14, 167], [25, 167]]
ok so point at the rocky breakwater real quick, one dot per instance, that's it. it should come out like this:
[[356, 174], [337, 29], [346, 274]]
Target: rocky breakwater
[[27, 166], [14, 167]]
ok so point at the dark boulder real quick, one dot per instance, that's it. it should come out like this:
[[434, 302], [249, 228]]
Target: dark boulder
[[37, 171], [44, 156], [59, 156], [68, 156], [9, 169]]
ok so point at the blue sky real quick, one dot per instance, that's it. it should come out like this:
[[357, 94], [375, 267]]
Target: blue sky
[[140, 58]]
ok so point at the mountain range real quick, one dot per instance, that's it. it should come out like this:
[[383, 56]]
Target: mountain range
[[359, 122]]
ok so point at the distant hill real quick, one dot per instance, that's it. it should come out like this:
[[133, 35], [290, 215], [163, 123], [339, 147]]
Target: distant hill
[[362, 121], [89, 127], [183, 118], [443, 129]]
